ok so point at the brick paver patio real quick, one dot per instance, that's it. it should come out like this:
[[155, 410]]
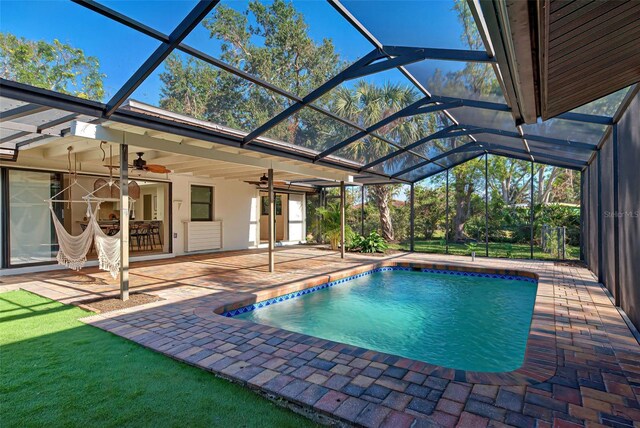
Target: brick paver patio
[[582, 366]]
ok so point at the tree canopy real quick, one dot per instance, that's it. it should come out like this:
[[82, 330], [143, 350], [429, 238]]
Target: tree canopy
[[57, 66], [272, 42]]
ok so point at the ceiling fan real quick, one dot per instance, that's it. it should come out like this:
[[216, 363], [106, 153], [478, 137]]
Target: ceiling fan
[[141, 165], [111, 189], [263, 183], [138, 164]]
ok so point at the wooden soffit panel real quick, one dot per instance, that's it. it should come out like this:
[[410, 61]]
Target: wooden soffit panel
[[588, 49]]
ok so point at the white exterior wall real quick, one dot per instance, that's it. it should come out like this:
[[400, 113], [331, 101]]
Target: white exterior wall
[[235, 204]]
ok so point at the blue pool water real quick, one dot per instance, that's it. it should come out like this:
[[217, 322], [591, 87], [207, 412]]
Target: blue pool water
[[468, 323]]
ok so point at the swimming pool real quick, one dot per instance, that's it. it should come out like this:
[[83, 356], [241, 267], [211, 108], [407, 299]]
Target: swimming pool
[[470, 321]]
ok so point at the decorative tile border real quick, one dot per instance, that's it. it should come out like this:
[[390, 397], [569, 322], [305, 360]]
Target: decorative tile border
[[303, 292], [481, 275]]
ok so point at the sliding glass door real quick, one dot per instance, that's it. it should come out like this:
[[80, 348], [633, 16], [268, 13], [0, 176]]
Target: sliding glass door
[[32, 238], [29, 236]]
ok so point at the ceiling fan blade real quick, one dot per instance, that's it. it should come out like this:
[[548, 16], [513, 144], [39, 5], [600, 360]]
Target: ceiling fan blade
[[158, 169]]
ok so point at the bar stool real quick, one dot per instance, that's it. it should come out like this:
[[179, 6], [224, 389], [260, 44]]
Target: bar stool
[[154, 231], [140, 233]]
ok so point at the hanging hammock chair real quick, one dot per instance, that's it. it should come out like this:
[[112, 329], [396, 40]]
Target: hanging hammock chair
[[73, 250], [107, 247]]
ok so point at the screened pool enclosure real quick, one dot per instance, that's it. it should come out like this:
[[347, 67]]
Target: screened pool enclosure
[[451, 107], [478, 135], [485, 205]]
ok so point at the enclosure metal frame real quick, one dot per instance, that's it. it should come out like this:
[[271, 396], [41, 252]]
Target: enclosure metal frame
[[531, 209], [412, 214], [362, 210], [616, 218], [197, 14], [381, 58], [486, 203], [600, 272], [342, 219], [446, 228], [582, 215]]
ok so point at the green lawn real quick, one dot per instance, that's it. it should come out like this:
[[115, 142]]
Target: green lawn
[[56, 371], [496, 249]]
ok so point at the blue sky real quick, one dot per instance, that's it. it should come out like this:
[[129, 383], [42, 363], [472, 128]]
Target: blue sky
[[121, 50]]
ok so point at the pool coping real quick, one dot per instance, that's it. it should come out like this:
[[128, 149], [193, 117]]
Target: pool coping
[[540, 360]]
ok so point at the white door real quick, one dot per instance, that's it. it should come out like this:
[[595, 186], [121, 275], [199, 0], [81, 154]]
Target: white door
[[296, 217]]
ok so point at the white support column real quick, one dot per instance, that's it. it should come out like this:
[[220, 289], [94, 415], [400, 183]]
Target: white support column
[[272, 218], [342, 219], [124, 222]]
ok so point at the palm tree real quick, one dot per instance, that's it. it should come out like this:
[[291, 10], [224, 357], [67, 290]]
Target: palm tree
[[366, 104], [332, 224]]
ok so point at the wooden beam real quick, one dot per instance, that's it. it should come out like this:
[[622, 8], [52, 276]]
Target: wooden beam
[[244, 175], [222, 170], [22, 111], [60, 148], [198, 165], [17, 126], [183, 162]]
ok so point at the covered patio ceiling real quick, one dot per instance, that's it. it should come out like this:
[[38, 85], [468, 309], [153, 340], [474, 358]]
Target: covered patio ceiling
[[80, 149], [467, 124]]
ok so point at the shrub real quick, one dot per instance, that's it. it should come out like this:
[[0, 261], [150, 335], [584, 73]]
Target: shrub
[[350, 239], [372, 243]]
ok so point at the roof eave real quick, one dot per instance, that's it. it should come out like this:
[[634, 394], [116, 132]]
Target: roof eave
[[509, 30]]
